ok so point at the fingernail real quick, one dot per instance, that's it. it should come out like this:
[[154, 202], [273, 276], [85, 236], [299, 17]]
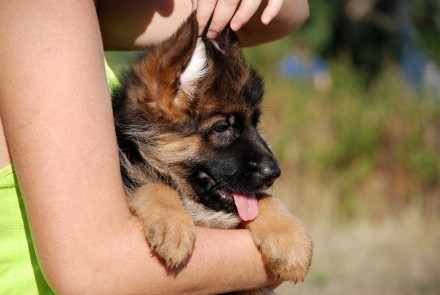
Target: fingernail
[[211, 34], [267, 19], [235, 25]]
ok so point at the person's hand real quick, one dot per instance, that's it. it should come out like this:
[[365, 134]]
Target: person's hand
[[235, 12]]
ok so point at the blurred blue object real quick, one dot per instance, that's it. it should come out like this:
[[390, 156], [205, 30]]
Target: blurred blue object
[[419, 70], [295, 66], [300, 67], [320, 65]]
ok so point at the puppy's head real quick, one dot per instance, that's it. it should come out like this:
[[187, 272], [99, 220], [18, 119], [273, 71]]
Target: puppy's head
[[195, 106]]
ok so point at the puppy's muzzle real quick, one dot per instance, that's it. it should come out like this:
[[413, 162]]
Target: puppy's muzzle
[[268, 171]]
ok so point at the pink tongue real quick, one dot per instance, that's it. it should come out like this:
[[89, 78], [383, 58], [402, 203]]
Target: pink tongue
[[247, 206]]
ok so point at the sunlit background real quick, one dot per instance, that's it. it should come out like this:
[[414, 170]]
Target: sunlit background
[[352, 111]]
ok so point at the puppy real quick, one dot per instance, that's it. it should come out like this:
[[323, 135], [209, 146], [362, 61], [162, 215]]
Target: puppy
[[186, 119]]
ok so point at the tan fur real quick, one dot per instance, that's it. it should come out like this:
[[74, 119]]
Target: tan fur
[[176, 149], [282, 240], [211, 218], [171, 238]]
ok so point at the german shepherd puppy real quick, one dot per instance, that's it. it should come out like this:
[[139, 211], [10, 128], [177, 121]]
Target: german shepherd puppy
[[186, 119]]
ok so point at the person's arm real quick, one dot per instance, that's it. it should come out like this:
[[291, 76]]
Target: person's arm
[[291, 16], [134, 24], [56, 111]]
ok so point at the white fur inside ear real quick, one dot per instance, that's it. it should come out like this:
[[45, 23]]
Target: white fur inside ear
[[216, 45], [196, 69]]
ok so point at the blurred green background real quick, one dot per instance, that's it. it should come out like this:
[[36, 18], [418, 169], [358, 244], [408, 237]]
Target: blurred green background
[[352, 111]]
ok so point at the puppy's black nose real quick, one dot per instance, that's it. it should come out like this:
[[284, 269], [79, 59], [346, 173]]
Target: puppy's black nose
[[270, 172], [266, 171]]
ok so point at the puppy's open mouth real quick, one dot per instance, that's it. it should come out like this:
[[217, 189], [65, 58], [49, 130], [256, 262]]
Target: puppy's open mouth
[[245, 204]]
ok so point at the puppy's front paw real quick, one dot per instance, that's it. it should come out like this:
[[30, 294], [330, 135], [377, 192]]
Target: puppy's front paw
[[287, 251], [168, 226], [282, 240], [171, 237]]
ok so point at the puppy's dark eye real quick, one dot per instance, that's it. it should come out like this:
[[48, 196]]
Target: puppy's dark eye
[[256, 117], [221, 128]]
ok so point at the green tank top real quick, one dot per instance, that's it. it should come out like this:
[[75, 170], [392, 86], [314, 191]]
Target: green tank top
[[20, 273], [19, 270]]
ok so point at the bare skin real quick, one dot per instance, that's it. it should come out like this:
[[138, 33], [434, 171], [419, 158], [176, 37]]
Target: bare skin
[[137, 23], [56, 113]]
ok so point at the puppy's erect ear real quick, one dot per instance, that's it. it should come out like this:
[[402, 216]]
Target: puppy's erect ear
[[196, 69], [171, 71], [184, 52], [226, 42]]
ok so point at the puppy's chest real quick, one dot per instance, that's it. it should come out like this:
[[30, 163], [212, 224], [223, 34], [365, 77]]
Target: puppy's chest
[[205, 217]]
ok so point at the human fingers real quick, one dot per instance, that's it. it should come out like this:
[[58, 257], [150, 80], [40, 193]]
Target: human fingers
[[272, 9], [204, 12], [246, 10], [223, 13]]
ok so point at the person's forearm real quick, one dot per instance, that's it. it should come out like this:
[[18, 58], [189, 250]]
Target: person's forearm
[[128, 267], [123, 264], [290, 18], [134, 24]]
